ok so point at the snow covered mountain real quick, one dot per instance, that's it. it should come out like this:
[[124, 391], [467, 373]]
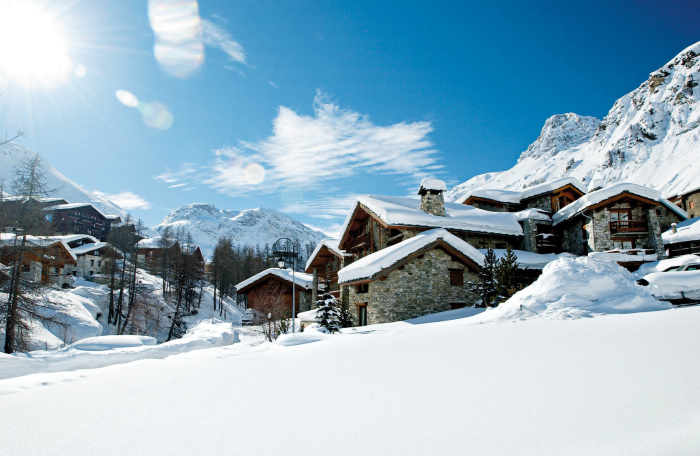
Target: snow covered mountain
[[12, 154], [649, 137], [251, 227]]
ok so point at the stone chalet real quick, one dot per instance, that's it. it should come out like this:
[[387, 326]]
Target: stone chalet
[[80, 218], [424, 274], [689, 201], [271, 291], [324, 263], [43, 260], [534, 206], [683, 238], [617, 218], [92, 259]]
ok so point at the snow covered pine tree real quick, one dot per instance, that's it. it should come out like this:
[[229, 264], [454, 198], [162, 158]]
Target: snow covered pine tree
[[327, 311], [485, 288], [508, 276]]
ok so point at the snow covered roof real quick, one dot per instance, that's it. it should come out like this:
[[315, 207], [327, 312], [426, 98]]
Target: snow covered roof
[[516, 197], [612, 191], [502, 196], [7, 197], [331, 244], [397, 211], [371, 265], [551, 186], [531, 260], [87, 248], [37, 241], [300, 279], [532, 214], [687, 230], [73, 237], [435, 185], [64, 207]]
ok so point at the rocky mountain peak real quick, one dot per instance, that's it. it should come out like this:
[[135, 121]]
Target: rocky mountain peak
[[561, 132]]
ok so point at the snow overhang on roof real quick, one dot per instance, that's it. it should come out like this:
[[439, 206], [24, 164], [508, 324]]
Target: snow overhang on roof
[[604, 194], [65, 207], [87, 248], [396, 211], [300, 279], [330, 244], [552, 186], [686, 231], [367, 268], [153, 243], [499, 196], [532, 214]]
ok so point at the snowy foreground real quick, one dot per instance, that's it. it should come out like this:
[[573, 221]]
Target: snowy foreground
[[588, 367]]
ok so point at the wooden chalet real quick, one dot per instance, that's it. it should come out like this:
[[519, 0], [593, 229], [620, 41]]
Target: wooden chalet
[[41, 260], [689, 201], [80, 218], [378, 222], [324, 263], [270, 291]]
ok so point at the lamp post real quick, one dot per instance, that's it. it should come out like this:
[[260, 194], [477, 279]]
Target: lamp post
[[286, 249]]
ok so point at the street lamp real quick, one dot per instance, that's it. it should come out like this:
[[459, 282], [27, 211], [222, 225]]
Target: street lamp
[[286, 249]]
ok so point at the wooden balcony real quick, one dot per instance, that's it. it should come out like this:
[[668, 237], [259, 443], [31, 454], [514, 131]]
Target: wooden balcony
[[629, 226], [547, 243], [360, 242]]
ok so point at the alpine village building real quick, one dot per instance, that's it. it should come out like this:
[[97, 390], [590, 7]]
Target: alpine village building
[[400, 258]]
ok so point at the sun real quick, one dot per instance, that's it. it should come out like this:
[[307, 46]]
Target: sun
[[32, 48]]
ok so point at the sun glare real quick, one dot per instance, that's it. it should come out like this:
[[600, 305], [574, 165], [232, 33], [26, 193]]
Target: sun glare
[[32, 48]]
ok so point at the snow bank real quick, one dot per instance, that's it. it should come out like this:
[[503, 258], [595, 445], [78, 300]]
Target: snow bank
[[577, 287], [376, 262], [100, 352], [300, 338]]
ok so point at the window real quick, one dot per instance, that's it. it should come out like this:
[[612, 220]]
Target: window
[[620, 215], [99, 264], [624, 244], [48, 217], [457, 277], [362, 288], [457, 305], [92, 272], [25, 268], [658, 212], [92, 263], [691, 204], [693, 267]]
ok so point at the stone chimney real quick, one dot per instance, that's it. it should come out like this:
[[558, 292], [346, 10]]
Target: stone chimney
[[674, 228], [431, 199]]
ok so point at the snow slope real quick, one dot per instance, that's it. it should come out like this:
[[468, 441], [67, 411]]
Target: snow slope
[[251, 227], [616, 385], [11, 154], [649, 137]]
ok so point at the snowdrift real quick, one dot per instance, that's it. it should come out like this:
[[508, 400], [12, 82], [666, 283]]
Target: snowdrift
[[105, 351], [574, 288]]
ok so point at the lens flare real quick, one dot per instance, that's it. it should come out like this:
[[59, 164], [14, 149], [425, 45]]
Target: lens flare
[[127, 98], [155, 115], [254, 173], [178, 30], [80, 71]]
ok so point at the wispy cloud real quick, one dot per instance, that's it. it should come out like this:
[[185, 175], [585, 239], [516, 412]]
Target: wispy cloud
[[273, 84], [125, 200], [306, 152], [216, 36], [186, 171], [177, 185]]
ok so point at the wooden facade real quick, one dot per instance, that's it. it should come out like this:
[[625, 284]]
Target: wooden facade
[[271, 294], [80, 219], [46, 264]]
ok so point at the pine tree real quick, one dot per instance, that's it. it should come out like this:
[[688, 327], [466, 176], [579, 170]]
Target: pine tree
[[327, 311], [344, 316], [485, 288], [508, 275]]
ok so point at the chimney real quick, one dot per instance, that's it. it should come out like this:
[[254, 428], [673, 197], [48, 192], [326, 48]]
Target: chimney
[[674, 228], [431, 200]]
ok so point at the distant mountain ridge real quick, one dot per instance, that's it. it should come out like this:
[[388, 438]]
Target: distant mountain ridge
[[11, 154], [251, 227], [649, 137]]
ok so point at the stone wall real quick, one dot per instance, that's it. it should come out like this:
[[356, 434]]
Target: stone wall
[[543, 202], [420, 288], [695, 199], [573, 238]]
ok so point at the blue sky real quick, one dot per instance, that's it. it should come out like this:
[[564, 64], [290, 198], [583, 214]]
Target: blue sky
[[330, 99]]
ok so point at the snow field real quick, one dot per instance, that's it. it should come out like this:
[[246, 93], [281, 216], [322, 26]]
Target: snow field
[[623, 384]]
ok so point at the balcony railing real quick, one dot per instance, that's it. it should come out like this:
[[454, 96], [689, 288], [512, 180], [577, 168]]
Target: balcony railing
[[629, 226], [547, 242], [362, 241]]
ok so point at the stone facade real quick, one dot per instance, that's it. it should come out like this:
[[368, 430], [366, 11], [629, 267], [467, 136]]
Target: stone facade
[[543, 202], [421, 287]]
